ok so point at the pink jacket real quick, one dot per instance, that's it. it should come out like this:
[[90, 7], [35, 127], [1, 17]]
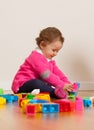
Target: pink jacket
[[36, 66]]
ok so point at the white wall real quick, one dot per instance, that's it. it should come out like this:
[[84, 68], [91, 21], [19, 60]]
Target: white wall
[[20, 23]]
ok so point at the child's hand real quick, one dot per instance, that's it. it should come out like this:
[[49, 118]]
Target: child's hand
[[68, 87]]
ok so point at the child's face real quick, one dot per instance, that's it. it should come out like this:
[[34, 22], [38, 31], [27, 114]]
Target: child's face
[[51, 49]]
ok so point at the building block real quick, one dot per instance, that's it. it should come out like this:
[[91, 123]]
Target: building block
[[71, 97], [79, 104], [38, 107], [72, 106], [24, 103], [9, 97], [45, 108], [54, 108], [2, 101], [30, 96], [20, 101], [66, 105], [30, 109], [50, 108], [92, 99], [75, 87], [1, 91], [43, 96], [15, 98], [87, 102], [38, 101]]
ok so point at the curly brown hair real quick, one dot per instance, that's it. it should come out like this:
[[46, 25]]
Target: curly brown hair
[[49, 34]]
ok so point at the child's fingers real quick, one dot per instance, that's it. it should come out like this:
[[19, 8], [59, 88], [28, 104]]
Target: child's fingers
[[70, 88]]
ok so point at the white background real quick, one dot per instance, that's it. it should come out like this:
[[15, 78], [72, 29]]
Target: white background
[[21, 22]]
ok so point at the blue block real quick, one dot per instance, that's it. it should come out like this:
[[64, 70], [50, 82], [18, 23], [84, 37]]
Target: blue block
[[87, 102], [50, 108], [78, 85], [15, 98], [10, 98], [38, 101]]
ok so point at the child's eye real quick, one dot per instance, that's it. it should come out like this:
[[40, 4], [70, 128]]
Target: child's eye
[[55, 51]]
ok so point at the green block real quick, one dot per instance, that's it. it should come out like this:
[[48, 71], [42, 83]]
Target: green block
[[71, 97], [1, 91], [30, 96]]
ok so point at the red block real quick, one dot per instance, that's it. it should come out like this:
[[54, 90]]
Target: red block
[[30, 109], [66, 105]]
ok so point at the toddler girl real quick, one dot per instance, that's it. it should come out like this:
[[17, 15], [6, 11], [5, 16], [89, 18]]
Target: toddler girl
[[39, 70]]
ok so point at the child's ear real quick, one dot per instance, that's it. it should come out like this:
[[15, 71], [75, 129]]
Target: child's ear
[[42, 44]]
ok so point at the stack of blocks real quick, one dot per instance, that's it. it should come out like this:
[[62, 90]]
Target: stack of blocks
[[40, 103]]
